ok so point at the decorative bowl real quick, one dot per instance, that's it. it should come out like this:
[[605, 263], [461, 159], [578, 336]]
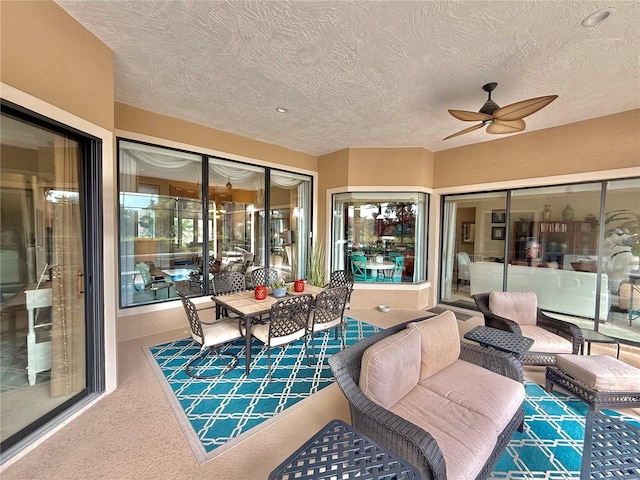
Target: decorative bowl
[[384, 308]]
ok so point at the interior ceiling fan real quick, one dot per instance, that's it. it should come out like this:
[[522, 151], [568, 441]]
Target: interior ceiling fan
[[500, 120]]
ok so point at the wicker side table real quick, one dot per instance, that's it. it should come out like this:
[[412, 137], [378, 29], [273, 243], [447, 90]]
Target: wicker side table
[[338, 451], [611, 448]]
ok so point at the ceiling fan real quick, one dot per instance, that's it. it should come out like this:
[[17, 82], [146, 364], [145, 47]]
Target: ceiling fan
[[500, 120]]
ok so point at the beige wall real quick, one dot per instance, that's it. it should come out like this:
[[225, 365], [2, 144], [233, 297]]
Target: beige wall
[[391, 166], [133, 119], [605, 143], [49, 55]]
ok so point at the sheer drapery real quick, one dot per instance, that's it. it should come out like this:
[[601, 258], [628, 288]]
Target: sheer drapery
[[128, 183], [68, 369], [448, 248], [302, 226]]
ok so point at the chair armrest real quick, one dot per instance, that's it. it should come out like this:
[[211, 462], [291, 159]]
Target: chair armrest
[[499, 362], [391, 431], [562, 328]]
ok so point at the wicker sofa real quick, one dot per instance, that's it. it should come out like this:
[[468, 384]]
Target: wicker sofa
[[448, 407]]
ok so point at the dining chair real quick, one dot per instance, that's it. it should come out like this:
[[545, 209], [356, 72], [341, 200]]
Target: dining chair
[[288, 323], [263, 276], [153, 283], [210, 333], [328, 313], [225, 283], [341, 278], [396, 275], [359, 269], [463, 268]]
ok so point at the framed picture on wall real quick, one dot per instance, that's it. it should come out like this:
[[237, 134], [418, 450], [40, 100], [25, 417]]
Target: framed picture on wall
[[497, 233], [468, 232], [498, 216]]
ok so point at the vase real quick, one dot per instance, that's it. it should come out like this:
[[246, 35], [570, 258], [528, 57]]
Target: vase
[[279, 292], [546, 213], [260, 292], [567, 213], [298, 286]]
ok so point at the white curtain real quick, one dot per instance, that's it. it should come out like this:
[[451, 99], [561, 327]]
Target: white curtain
[[68, 316], [448, 248], [302, 225]]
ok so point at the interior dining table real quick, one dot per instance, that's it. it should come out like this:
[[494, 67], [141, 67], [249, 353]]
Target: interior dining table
[[249, 309], [383, 267]]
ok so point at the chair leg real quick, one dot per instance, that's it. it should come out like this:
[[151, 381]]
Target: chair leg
[[200, 356]]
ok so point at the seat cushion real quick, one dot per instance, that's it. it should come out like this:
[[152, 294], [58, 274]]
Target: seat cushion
[[521, 307], [261, 332], [439, 342], [546, 341], [219, 332], [465, 437], [390, 367], [493, 396], [601, 372]]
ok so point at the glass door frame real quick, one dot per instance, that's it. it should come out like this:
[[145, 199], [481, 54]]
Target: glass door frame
[[90, 183]]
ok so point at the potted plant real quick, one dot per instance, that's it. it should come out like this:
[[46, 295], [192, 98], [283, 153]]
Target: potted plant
[[279, 287], [315, 273]]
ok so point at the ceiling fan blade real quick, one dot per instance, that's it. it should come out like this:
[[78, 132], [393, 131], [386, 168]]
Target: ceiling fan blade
[[519, 110], [502, 126], [470, 116], [466, 130]]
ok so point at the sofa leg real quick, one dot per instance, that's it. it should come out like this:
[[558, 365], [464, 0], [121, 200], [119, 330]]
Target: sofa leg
[[521, 427]]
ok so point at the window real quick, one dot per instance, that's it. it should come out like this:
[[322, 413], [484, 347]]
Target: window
[[380, 237], [576, 252], [169, 241]]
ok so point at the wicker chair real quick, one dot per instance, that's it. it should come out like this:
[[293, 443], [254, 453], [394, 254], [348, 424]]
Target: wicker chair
[[288, 323], [328, 313], [341, 278], [399, 435], [210, 335], [566, 330]]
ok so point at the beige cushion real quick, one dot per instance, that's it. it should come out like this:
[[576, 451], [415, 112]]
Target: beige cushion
[[466, 438], [546, 341], [440, 342], [261, 332], [390, 367], [521, 307], [601, 372], [493, 396]]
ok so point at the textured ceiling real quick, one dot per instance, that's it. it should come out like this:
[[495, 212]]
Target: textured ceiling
[[365, 73]]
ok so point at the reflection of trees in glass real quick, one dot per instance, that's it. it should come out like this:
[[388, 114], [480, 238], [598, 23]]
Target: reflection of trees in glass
[[187, 232], [147, 224]]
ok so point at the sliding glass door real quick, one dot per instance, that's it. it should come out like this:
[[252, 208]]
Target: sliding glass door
[[43, 284]]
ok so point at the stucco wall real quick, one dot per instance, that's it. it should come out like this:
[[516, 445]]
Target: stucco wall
[[604, 143], [49, 55]]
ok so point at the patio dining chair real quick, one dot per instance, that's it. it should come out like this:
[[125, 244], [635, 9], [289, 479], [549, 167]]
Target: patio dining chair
[[263, 276], [342, 278], [225, 283], [288, 323], [359, 270], [210, 333], [328, 313]]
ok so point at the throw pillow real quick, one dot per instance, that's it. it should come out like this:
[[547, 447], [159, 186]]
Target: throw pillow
[[521, 307]]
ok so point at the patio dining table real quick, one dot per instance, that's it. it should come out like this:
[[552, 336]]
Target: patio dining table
[[249, 309]]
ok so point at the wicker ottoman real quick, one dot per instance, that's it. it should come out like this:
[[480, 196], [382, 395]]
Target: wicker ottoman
[[599, 380]]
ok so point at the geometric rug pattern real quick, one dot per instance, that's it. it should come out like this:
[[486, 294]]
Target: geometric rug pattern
[[216, 411], [550, 447]]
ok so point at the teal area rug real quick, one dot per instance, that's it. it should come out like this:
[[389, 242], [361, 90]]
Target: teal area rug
[[214, 414]]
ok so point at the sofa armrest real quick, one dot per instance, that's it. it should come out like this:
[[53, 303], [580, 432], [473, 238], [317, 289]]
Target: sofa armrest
[[564, 329], [491, 319], [499, 362]]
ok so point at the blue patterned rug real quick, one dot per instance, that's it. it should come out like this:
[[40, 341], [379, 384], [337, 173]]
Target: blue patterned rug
[[215, 414]]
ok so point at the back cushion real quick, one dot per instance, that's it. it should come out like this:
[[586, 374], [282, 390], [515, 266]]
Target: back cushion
[[439, 342], [521, 307], [390, 367]]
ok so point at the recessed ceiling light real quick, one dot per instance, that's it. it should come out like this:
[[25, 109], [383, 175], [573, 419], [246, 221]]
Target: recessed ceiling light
[[281, 110], [596, 17]]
